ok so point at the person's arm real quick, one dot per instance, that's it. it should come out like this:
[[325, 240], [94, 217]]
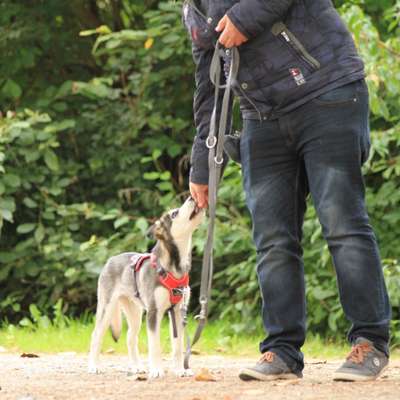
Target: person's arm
[[251, 17], [203, 104]]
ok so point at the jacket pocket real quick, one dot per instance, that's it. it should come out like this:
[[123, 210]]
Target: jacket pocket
[[198, 25], [281, 31]]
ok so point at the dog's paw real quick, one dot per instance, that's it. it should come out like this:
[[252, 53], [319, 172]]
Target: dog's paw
[[182, 373], [93, 369], [155, 373]]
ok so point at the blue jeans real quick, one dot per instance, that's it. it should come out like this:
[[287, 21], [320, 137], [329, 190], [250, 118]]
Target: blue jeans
[[318, 148]]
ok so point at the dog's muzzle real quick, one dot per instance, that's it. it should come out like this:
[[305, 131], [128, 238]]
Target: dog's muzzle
[[195, 211]]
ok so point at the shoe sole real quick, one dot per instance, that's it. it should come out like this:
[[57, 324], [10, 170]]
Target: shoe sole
[[349, 377], [250, 375]]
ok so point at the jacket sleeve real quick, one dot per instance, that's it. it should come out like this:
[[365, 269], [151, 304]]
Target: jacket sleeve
[[203, 105], [252, 17]]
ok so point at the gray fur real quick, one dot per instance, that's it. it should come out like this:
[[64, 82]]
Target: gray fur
[[116, 293]]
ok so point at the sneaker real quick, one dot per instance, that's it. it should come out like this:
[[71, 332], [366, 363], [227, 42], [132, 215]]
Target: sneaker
[[364, 363], [270, 367]]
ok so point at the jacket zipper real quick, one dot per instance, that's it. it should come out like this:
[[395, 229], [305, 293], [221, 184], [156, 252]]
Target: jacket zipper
[[280, 30]]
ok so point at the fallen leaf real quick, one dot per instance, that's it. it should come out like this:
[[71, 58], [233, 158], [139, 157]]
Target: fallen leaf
[[195, 352], [29, 355], [205, 376]]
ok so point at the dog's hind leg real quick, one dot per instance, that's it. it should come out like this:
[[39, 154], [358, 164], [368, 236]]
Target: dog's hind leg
[[178, 344], [104, 314], [133, 313]]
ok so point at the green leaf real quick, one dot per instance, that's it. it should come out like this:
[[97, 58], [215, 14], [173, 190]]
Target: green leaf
[[26, 228], [70, 272], [142, 225], [39, 233], [11, 89], [51, 160], [6, 214], [121, 221], [29, 202], [151, 176], [12, 180]]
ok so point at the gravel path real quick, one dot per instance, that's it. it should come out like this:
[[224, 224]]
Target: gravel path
[[64, 376]]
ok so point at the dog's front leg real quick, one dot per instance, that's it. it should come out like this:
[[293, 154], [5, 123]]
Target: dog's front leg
[[154, 317], [178, 344]]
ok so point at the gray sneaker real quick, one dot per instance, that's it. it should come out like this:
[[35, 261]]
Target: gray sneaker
[[364, 363], [270, 367]]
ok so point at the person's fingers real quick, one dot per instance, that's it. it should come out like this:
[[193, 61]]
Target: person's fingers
[[203, 200], [221, 24], [199, 194], [224, 38]]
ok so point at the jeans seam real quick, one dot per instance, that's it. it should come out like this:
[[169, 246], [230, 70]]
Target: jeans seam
[[296, 200]]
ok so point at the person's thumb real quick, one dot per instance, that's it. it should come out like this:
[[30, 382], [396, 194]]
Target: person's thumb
[[221, 24]]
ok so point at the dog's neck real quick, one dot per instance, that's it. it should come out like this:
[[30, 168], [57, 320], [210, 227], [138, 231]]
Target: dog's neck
[[175, 256]]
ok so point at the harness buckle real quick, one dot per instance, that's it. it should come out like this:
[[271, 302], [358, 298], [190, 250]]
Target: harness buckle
[[179, 291], [213, 143]]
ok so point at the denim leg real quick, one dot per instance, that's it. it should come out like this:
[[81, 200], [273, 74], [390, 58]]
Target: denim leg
[[275, 187], [335, 142]]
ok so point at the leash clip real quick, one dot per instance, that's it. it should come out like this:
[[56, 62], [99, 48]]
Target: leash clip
[[203, 303]]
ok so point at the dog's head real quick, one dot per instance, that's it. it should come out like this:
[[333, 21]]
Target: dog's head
[[179, 223]]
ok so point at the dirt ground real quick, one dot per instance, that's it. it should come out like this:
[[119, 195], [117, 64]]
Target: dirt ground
[[64, 376]]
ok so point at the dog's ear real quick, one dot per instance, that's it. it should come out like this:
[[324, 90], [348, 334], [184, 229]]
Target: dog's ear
[[156, 231]]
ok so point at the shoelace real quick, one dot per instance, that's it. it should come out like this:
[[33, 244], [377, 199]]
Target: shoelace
[[358, 352], [267, 357]]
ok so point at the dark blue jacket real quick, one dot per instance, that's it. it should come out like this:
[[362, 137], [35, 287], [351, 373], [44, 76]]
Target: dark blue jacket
[[297, 50]]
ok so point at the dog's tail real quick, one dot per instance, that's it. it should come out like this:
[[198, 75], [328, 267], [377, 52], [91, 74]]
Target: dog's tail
[[116, 323]]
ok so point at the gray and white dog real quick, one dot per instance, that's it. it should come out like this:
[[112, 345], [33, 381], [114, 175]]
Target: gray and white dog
[[118, 282]]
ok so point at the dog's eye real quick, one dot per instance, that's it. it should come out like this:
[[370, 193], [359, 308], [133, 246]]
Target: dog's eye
[[174, 214]]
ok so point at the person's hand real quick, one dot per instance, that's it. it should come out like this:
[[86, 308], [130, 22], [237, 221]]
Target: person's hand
[[230, 36], [199, 194]]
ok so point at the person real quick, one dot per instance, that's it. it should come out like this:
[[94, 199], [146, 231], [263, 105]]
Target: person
[[304, 105]]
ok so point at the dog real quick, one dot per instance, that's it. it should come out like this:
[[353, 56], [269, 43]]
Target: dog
[[132, 283]]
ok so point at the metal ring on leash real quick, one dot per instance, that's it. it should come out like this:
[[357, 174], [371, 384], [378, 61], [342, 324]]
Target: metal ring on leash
[[219, 161], [214, 142]]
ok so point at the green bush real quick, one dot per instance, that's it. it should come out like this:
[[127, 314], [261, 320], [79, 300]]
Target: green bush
[[95, 133]]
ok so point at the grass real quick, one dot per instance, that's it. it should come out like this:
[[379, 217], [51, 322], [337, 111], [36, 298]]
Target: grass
[[75, 337]]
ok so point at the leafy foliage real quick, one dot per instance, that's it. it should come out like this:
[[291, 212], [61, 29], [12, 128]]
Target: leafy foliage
[[95, 132]]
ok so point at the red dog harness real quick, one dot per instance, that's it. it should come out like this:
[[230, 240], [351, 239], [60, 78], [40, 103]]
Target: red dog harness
[[174, 285]]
